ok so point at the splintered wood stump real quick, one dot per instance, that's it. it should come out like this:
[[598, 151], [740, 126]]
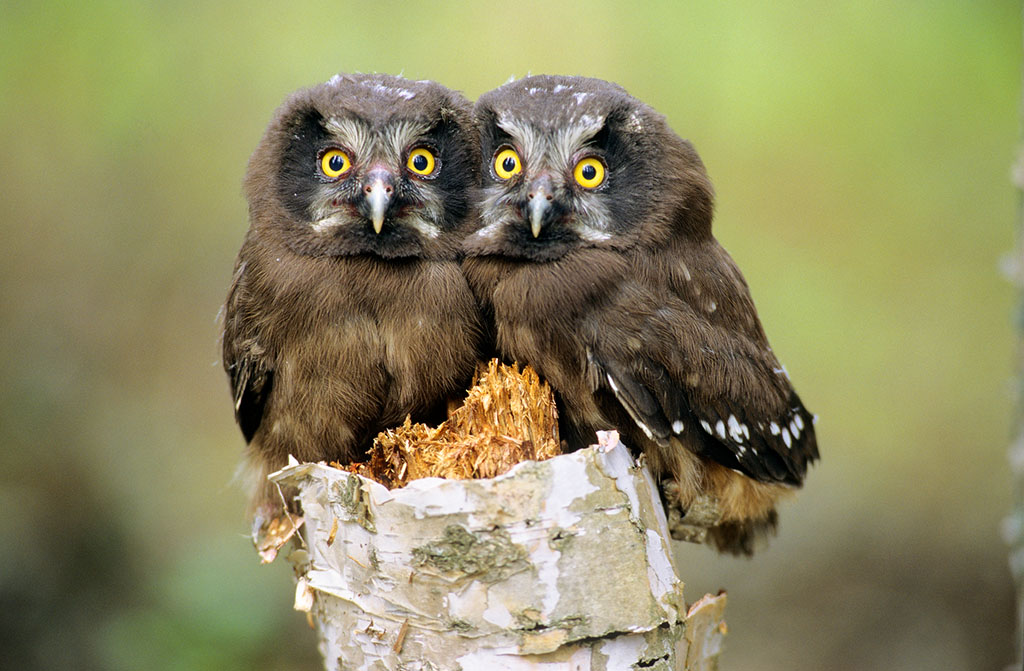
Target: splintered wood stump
[[551, 563]]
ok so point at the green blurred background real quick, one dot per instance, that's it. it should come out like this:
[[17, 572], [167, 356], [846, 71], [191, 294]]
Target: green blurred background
[[861, 156]]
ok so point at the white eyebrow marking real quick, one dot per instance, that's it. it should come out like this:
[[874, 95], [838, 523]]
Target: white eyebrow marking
[[366, 144]]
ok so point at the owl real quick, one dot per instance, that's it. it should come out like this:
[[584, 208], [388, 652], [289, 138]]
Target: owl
[[595, 263], [348, 309]]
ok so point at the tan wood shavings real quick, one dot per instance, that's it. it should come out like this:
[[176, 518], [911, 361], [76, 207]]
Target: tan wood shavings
[[508, 417]]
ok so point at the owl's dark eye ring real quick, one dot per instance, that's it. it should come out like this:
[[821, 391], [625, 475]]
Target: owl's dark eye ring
[[422, 162], [507, 163], [335, 163]]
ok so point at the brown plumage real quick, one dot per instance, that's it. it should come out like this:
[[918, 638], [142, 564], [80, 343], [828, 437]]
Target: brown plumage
[[348, 310], [595, 263]]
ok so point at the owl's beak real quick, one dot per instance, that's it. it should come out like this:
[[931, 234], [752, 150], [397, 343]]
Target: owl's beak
[[378, 193], [540, 196]]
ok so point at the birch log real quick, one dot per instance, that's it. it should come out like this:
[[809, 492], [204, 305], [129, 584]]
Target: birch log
[[557, 564]]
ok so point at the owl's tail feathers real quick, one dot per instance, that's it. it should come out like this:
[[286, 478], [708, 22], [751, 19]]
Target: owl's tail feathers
[[743, 538]]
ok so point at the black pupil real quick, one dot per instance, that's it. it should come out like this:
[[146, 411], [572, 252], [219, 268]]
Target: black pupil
[[509, 164], [589, 172], [419, 161], [336, 162]]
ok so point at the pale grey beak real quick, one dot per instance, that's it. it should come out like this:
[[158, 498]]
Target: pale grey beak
[[378, 197], [538, 206]]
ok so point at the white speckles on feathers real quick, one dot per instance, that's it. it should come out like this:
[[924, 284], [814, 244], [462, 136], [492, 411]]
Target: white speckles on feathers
[[405, 94], [686, 271], [735, 431]]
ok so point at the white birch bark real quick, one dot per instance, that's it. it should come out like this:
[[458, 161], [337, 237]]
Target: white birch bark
[[558, 564]]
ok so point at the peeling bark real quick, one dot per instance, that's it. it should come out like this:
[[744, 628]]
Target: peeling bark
[[558, 564]]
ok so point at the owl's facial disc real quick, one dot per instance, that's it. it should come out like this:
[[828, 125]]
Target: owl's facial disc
[[378, 203], [367, 166], [551, 201], [544, 197], [548, 198]]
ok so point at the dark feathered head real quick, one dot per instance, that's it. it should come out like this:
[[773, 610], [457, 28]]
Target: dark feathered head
[[573, 162], [366, 164]]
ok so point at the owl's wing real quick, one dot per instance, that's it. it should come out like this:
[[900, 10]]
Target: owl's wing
[[712, 384], [245, 361]]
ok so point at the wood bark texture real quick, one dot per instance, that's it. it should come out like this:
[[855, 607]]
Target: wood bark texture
[[557, 564]]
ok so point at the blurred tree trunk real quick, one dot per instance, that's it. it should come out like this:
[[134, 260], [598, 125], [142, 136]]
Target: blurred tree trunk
[[1014, 524]]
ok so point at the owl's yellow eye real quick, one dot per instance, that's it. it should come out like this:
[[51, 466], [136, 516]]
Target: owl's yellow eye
[[507, 163], [589, 172], [421, 161], [335, 163]]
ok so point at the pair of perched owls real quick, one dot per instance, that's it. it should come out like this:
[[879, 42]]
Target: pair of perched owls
[[399, 235]]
